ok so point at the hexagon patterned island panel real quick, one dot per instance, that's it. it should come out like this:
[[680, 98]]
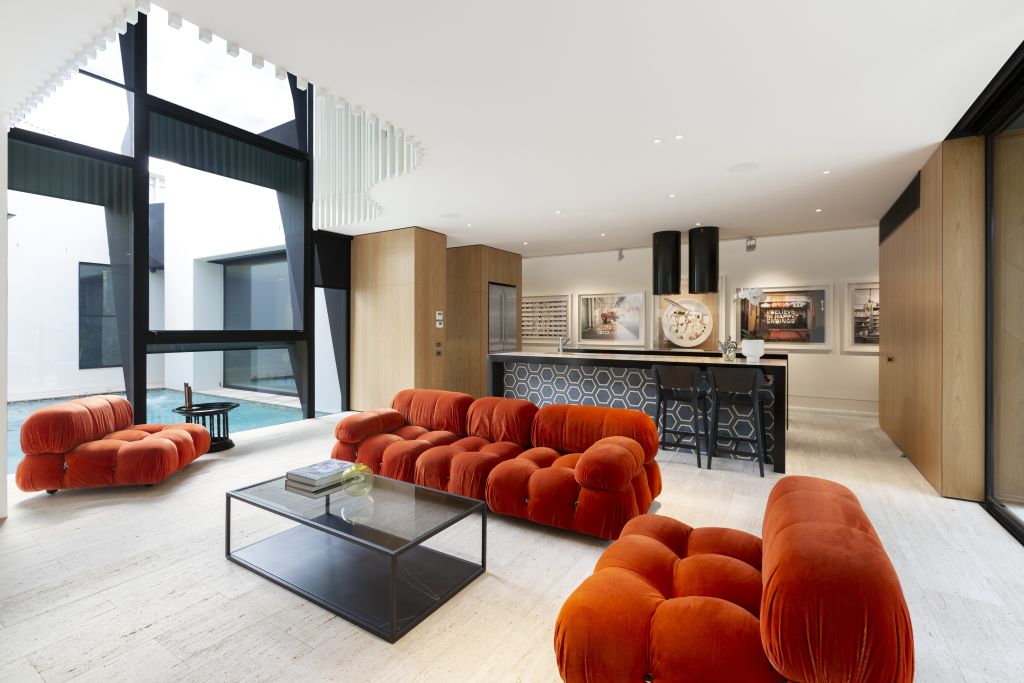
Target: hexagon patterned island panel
[[589, 385]]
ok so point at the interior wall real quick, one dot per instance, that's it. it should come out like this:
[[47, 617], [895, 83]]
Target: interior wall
[[821, 379]]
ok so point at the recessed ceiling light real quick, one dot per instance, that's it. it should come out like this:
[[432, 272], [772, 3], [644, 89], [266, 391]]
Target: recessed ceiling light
[[557, 211], [656, 141], [603, 235], [672, 196], [469, 225], [679, 137], [817, 211], [525, 243], [825, 172], [697, 224]]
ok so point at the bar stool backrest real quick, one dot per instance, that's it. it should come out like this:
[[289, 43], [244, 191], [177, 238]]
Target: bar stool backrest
[[675, 377], [736, 380]]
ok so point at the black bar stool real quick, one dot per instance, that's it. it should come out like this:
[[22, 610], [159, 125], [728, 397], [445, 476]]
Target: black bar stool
[[731, 387], [684, 384]]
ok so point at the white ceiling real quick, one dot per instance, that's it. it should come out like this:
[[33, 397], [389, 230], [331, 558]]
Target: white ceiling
[[530, 107]]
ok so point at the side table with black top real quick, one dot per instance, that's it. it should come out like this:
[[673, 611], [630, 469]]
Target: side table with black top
[[213, 416]]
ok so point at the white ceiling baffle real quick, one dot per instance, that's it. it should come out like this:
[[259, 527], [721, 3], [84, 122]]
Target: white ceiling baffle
[[352, 152]]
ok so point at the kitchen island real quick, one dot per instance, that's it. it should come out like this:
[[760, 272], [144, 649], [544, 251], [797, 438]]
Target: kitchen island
[[623, 379]]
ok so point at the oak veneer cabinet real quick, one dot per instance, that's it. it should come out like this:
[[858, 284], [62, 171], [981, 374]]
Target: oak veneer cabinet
[[932, 350], [398, 283], [470, 270]]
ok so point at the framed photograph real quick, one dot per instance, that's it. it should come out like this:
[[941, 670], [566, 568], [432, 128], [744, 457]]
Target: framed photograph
[[796, 318], [611, 319], [860, 319]]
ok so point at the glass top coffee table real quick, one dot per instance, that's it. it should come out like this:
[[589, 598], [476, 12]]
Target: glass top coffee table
[[383, 561]]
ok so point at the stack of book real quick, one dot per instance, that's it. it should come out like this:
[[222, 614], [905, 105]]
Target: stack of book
[[316, 480]]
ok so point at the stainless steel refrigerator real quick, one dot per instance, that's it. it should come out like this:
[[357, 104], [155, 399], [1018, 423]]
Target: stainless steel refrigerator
[[502, 318]]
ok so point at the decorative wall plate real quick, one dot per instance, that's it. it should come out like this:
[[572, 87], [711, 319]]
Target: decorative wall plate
[[687, 323]]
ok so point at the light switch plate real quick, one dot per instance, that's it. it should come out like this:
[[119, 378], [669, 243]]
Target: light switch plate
[[438, 315], [439, 324]]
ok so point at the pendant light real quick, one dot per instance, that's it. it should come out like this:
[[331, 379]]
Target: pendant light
[[703, 272], [667, 261]]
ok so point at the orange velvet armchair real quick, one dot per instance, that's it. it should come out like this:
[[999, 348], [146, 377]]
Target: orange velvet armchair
[[817, 601], [91, 442]]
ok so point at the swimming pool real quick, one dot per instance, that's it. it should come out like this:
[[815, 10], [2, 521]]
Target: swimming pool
[[159, 405]]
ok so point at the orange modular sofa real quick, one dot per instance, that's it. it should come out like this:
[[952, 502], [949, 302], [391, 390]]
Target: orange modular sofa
[[91, 442], [818, 600], [589, 469]]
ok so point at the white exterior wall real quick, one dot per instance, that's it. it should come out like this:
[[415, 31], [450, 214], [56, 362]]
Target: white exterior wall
[[828, 380], [3, 309]]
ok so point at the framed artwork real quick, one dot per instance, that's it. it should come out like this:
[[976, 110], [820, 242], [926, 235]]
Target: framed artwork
[[860, 320], [611, 319], [545, 318], [684, 320], [794, 318]]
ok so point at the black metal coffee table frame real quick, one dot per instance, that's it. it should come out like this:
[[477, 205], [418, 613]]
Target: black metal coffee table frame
[[321, 560]]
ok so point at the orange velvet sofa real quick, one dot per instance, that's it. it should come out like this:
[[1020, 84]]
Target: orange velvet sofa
[[817, 600], [588, 469], [91, 442]]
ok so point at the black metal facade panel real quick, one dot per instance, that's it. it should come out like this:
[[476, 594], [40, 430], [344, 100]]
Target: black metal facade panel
[[703, 271], [668, 259], [902, 209], [333, 260]]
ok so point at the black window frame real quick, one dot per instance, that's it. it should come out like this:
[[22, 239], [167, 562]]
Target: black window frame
[[145, 341]]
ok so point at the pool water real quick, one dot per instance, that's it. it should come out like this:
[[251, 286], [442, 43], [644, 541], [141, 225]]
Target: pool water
[[159, 405]]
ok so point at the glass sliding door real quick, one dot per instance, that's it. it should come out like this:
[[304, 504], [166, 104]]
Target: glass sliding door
[[1007, 340]]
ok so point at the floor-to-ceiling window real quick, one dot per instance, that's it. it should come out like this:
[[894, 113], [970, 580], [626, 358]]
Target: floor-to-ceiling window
[[213, 285], [1006, 466]]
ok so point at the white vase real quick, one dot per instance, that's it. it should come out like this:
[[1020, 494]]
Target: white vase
[[752, 349]]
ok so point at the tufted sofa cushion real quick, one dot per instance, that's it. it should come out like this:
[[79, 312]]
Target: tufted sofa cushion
[[817, 601], [91, 442], [822, 558], [501, 419], [573, 429], [434, 409]]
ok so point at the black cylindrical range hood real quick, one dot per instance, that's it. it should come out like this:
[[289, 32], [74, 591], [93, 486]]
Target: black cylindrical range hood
[[703, 270], [668, 260]]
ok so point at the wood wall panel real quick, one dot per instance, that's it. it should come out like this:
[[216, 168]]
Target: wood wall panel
[[470, 270], [920, 361], [932, 271], [397, 283], [963, 319]]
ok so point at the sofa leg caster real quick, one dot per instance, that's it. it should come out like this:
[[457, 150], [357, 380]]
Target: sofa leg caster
[[148, 486], [51, 491]]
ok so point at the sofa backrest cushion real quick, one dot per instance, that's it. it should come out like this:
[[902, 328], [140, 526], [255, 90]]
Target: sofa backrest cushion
[[437, 410], [61, 427], [832, 607], [574, 429], [501, 419]]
